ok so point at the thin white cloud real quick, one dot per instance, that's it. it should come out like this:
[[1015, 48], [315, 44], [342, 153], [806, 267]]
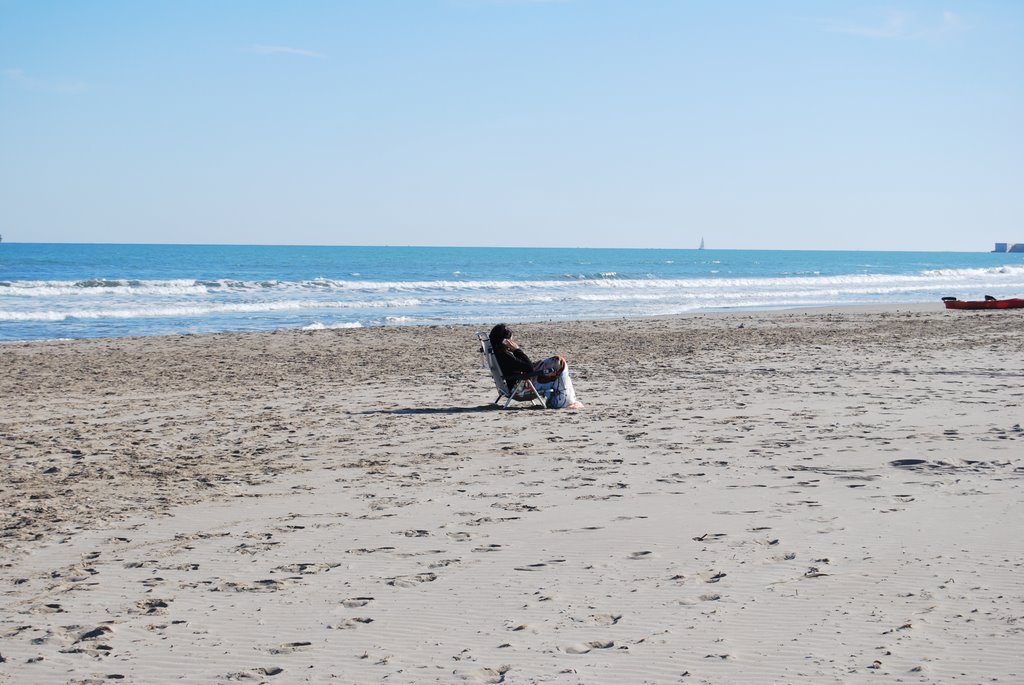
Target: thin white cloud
[[898, 25], [284, 50], [894, 25], [951, 23], [22, 79]]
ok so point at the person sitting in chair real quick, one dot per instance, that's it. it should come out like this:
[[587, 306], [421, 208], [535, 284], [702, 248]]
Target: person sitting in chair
[[515, 365], [550, 376]]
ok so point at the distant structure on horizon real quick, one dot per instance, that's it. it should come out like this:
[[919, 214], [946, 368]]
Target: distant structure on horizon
[[1009, 247]]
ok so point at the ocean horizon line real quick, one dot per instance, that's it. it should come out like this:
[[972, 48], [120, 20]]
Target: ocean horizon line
[[508, 247]]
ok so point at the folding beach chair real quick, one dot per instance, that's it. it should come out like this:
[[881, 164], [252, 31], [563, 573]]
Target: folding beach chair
[[524, 390]]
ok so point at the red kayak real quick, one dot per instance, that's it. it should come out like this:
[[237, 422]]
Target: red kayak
[[988, 303]]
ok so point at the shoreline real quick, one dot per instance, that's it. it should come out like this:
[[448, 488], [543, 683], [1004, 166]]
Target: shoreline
[[892, 308], [347, 503]]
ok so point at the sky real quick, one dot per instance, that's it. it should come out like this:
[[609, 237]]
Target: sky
[[591, 123]]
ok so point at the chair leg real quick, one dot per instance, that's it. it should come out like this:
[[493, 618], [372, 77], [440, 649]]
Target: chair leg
[[537, 395], [512, 394], [519, 388]]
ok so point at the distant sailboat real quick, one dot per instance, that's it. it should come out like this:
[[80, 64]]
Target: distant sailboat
[[701, 243]]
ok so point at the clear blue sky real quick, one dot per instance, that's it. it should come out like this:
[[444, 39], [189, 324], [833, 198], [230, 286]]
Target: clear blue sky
[[790, 124]]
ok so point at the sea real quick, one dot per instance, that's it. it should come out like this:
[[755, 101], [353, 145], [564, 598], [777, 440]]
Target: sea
[[67, 291]]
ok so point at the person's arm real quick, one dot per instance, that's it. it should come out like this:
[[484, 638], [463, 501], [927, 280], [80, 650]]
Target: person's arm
[[514, 362], [521, 356]]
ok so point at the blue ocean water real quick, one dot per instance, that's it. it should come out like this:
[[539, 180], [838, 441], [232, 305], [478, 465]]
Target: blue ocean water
[[83, 291]]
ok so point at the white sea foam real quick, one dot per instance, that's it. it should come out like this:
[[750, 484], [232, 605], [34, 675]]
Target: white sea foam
[[223, 303], [1009, 274], [1006, 269], [183, 311], [94, 288], [319, 326]]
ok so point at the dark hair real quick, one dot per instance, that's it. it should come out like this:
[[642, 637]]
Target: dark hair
[[498, 334]]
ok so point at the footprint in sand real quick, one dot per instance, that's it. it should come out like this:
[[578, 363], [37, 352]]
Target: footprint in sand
[[460, 536], [266, 585], [95, 633], [585, 647], [493, 675], [441, 563], [531, 567], [255, 674], [600, 619], [708, 597], [645, 554], [140, 564], [515, 506], [356, 602], [182, 567], [150, 607], [74, 640], [411, 581], [254, 548], [539, 566], [289, 647], [307, 568], [364, 550], [493, 547], [712, 576], [350, 623], [47, 609], [767, 543], [907, 463]]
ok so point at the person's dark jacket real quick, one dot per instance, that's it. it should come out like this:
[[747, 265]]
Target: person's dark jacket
[[514, 364]]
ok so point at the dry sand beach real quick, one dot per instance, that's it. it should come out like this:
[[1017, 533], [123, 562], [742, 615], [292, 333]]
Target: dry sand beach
[[822, 497]]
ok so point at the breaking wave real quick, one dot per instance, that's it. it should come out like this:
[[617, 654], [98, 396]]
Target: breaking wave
[[935, 278]]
